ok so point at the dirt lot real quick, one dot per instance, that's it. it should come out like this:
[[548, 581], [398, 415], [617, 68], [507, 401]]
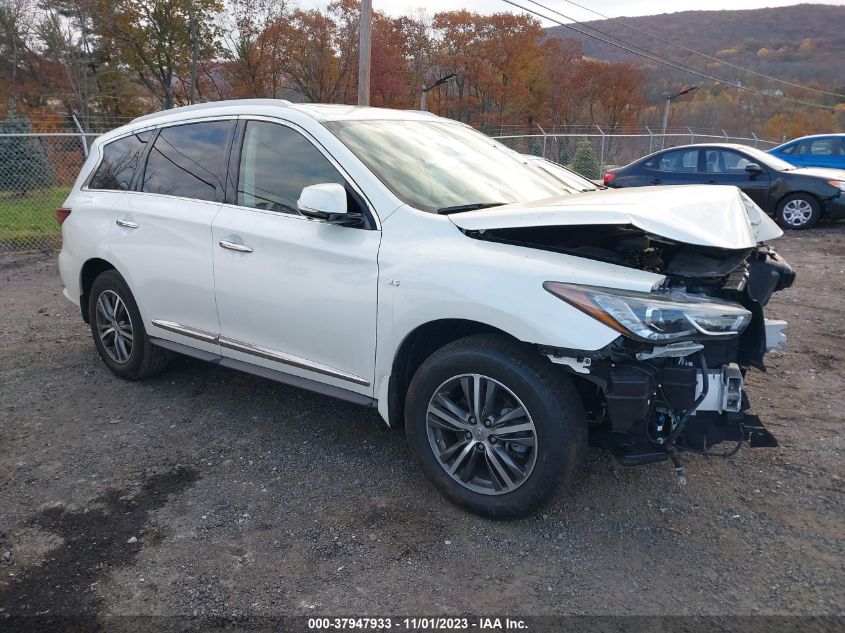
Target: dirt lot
[[208, 492]]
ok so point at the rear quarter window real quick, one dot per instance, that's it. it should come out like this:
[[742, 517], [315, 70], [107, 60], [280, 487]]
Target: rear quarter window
[[120, 159]]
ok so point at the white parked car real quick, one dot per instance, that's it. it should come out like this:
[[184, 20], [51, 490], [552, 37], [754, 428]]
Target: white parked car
[[407, 262]]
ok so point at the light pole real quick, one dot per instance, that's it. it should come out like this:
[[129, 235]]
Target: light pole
[[439, 82], [669, 100], [365, 25]]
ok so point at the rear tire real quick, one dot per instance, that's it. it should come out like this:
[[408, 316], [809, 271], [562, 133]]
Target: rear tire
[[798, 212], [118, 330], [483, 453]]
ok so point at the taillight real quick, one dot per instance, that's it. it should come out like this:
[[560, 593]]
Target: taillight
[[61, 214], [608, 178]]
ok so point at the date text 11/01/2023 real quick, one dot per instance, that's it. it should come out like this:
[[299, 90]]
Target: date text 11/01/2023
[[418, 623]]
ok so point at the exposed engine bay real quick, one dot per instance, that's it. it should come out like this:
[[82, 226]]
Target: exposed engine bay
[[649, 400]]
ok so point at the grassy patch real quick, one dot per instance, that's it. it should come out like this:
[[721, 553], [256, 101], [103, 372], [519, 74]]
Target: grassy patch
[[30, 221]]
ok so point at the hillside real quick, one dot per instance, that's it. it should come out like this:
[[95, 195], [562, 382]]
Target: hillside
[[801, 43]]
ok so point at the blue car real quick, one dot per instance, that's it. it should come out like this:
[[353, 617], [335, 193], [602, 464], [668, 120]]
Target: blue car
[[821, 150]]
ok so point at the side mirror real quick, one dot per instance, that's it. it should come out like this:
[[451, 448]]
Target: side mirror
[[753, 168], [326, 201]]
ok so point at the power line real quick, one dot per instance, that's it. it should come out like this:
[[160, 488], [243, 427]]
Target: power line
[[649, 55], [705, 55], [643, 53]]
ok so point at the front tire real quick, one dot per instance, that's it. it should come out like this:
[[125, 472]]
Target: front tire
[[494, 425], [799, 211], [118, 330]]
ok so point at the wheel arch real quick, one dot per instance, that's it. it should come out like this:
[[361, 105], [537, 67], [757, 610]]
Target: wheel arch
[[800, 192], [416, 347], [91, 269]]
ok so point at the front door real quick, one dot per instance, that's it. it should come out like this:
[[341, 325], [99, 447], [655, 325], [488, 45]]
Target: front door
[[293, 294], [819, 152], [727, 167]]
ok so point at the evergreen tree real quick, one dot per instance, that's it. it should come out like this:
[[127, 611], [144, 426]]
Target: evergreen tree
[[586, 162], [23, 160]]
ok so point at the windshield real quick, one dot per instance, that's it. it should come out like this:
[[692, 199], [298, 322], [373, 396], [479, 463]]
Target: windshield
[[442, 166], [767, 159]]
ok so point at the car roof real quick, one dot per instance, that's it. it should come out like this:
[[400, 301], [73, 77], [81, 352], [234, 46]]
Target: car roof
[[317, 111], [321, 112], [810, 137], [701, 145]]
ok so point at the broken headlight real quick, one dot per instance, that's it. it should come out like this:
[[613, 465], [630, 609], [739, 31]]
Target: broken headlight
[[655, 317]]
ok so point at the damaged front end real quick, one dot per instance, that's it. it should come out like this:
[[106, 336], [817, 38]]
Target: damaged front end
[[674, 379]]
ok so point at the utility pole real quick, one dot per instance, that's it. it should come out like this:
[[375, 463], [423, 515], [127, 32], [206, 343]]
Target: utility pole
[[194, 53], [365, 27], [669, 100]]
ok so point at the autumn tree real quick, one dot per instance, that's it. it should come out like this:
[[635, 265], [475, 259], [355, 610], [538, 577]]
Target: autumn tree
[[559, 63], [253, 48], [157, 39], [17, 27], [620, 95], [403, 54]]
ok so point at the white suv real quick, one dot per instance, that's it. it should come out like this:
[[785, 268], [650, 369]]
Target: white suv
[[500, 315]]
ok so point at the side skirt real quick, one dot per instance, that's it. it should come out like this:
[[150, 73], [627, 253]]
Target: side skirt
[[264, 372]]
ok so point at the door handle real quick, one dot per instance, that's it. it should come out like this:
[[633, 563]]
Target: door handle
[[235, 246], [656, 181], [127, 224]]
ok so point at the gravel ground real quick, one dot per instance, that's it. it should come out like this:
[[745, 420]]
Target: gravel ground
[[207, 492]]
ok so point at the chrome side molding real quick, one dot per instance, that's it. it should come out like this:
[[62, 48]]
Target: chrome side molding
[[201, 335], [288, 359], [257, 350]]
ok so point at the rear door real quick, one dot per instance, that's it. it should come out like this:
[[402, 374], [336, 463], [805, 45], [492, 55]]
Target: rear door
[[727, 167], [161, 234], [105, 186], [674, 167]]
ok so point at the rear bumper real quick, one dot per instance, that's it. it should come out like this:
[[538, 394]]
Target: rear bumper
[[70, 297], [69, 268]]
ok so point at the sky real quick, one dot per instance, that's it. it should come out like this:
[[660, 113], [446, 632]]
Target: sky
[[613, 8]]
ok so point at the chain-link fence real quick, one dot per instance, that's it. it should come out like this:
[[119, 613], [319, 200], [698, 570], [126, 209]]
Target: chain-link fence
[[37, 171], [591, 154]]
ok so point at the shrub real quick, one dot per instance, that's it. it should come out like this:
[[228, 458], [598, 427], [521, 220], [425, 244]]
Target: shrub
[[586, 162]]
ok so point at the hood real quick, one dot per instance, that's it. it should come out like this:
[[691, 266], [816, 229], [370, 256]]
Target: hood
[[704, 215], [828, 173]]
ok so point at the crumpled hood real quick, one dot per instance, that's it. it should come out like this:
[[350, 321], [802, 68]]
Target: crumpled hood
[[704, 215]]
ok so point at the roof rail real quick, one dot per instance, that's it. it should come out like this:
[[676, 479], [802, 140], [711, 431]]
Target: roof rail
[[212, 105]]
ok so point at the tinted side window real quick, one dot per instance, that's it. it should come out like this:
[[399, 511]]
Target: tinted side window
[[683, 160], [120, 158], [823, 147], [276, 164], [184, 160], [724, 161], [789, 149]]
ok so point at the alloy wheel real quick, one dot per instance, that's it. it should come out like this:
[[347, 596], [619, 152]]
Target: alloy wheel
[[114, 326], [481, 434], [797, 212]]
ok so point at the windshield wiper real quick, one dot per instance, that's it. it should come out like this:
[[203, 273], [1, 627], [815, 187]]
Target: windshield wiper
[[469, 207]]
